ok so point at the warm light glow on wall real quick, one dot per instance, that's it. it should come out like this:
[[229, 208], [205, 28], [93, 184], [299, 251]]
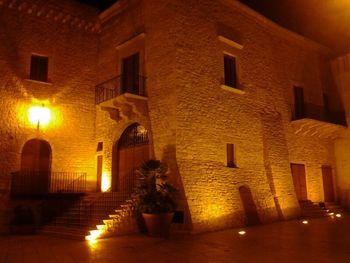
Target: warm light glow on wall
[[39, 115], [214, 211], [105, 182]]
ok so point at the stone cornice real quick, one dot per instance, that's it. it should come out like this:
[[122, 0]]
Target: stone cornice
[[47, 10], [275, 28]]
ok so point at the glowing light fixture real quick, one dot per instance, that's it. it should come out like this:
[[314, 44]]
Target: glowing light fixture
[[331, 213], [305, 222], [39, 115], [242, 232], [105, 182], [338, 215]]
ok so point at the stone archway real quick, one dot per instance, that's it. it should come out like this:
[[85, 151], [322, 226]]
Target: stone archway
[[35, 167], [131, 150], [252, 217]]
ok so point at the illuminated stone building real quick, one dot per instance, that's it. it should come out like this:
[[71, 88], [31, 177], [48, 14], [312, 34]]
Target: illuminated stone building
[[247, 115]]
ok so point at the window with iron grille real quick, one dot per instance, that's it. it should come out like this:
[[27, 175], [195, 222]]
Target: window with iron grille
[[133, 136], [39, 68]]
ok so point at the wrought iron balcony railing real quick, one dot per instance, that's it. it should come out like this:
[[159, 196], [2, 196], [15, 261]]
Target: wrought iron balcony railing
[[319, 113], [44, 182], [119, 85]]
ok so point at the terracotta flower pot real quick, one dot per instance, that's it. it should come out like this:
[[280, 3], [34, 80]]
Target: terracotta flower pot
[[158, 225]]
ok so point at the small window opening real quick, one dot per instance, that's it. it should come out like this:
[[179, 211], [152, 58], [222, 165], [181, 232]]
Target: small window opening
[[230, 71], [230, 151], [99, 147], [39, 68]]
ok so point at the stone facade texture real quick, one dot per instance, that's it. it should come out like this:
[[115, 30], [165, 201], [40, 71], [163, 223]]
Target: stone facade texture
[[69, 92], [190, 115]]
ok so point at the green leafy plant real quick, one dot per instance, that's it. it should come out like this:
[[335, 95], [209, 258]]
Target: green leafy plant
[[154, 194]]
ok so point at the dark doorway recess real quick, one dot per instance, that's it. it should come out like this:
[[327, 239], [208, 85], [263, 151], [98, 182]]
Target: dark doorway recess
[[299, 181], [328, 188], [99, 172]]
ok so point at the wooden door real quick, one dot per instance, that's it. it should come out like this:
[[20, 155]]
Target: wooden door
[[299, 181], [328, 183], [249, 206], [128, 154], [35, 167], [129, 159], [99, 173]]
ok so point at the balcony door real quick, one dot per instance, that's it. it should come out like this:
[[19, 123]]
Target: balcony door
[[35, 167], [299, 181], [130, 74], [299, 104]]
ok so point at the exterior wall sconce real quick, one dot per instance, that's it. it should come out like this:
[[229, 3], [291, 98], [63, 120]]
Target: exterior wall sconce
[[39, 115]]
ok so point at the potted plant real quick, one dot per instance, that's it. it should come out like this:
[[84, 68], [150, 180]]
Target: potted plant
[[155, 197]]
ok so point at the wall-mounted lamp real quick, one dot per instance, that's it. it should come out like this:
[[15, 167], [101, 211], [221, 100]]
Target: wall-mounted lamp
[[39, 115]]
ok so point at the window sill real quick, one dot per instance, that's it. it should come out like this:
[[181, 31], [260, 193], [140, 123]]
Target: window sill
[[39, 82], [232, 89]]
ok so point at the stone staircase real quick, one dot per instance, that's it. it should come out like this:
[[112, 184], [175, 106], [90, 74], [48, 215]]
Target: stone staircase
[[96, 215], [314, 210], [333, 207]]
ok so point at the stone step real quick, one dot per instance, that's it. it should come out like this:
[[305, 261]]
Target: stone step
[[313, 210], [65, 232]]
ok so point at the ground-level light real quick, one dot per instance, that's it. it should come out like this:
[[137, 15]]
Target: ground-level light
[[242, 232]]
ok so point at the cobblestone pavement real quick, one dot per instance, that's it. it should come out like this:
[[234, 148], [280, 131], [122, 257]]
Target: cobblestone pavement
[[321, 240]]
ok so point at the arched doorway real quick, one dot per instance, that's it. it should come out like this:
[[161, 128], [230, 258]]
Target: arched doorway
[[35, 167], [131, 150], [251, 212]]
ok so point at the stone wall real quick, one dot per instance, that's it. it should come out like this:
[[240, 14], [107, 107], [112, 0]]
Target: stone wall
[[69, 93], [341, 71], [208, 117], [191, 116]]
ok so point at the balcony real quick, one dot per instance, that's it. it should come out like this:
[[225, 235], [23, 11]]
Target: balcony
[[120, 85], [123, 97], [311, 119], [316, 112], [41, 183]]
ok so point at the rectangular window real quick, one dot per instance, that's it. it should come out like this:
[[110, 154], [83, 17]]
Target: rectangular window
[[39, 68], [230, 71], [130, 74], [230, 152]]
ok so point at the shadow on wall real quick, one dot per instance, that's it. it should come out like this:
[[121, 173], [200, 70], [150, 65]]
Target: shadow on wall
[[169, 157], [344, 198]]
